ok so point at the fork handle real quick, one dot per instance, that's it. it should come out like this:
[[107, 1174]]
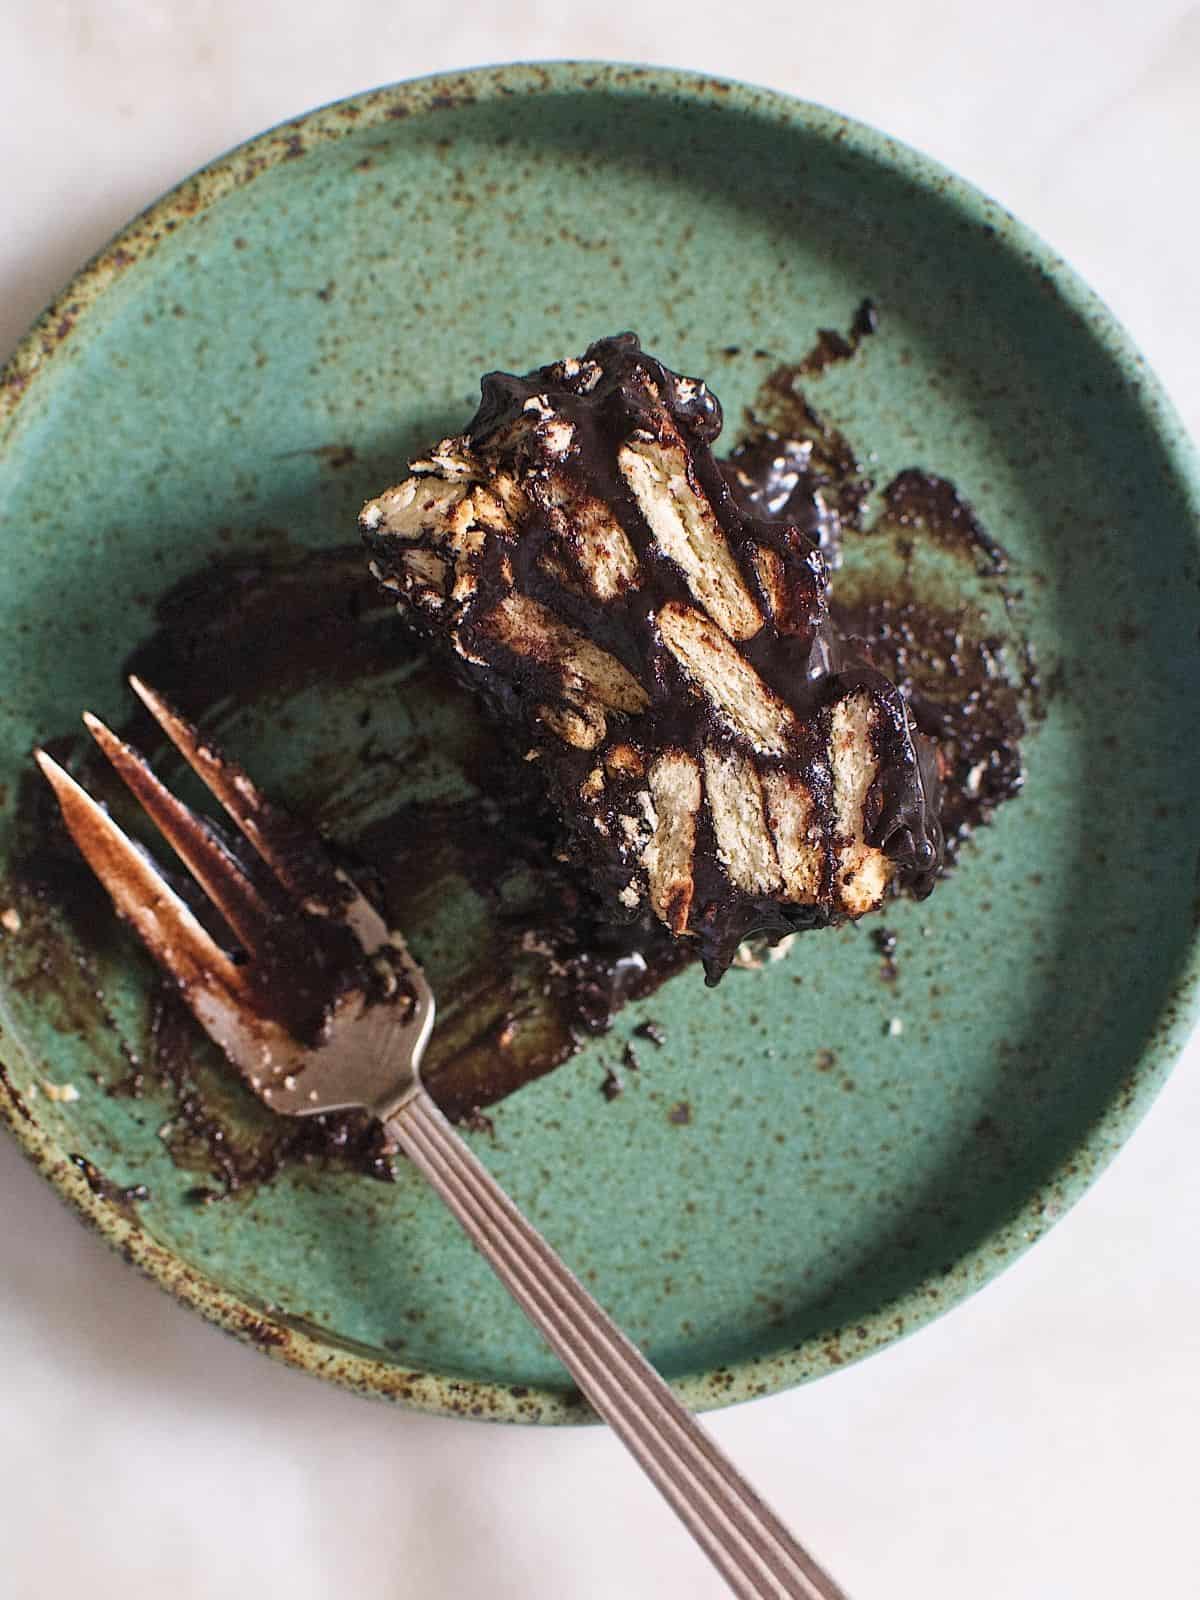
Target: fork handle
[[746, 1542]]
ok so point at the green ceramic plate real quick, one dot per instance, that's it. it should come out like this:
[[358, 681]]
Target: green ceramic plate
[[787, 1185]]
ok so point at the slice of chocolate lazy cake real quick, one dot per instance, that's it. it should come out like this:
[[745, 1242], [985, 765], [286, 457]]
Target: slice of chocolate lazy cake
[[720, 759]]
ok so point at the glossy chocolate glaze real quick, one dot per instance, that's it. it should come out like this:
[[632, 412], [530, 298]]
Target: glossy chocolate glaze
[[955, 676], [791, 463]]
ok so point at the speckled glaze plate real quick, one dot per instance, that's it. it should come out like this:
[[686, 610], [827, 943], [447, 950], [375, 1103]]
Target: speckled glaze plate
[[789, 1182]]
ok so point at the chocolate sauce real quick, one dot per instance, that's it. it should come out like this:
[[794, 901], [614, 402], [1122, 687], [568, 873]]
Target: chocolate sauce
[[215, 1128], [793, 464], [954, 672], [831, 346], [932, 507], [971, 691]]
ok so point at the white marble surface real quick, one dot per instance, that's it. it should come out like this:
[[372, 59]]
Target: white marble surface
[[1040, 1440]]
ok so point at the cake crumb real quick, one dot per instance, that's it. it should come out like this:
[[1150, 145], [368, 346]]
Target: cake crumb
[[755, 954], [63, 1092]]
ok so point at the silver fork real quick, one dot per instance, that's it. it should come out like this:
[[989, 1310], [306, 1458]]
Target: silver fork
[[367, 1056]]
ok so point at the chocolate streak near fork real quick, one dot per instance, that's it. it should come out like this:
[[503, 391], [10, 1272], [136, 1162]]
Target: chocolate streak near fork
[[716, 754]]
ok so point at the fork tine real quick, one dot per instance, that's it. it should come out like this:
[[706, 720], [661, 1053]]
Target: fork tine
[[166, 925], [211, 986], [209, 861], [291, 851]]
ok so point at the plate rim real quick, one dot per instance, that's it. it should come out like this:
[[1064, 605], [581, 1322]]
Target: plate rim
[[353, 1367]]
